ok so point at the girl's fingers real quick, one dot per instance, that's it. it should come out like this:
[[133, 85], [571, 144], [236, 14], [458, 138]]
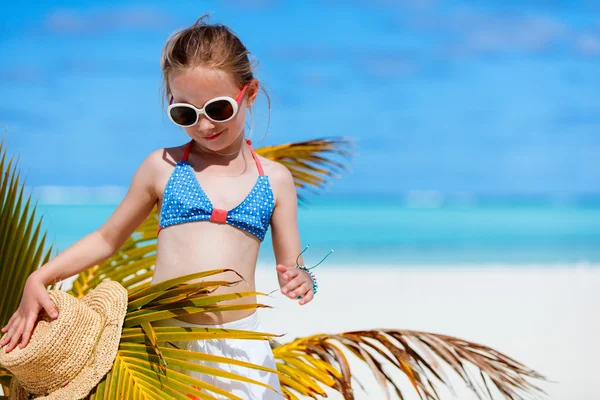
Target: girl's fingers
[[299, 291], [297, 281], [27, 331], [291, 273], [307, 297], [7, 329], [281, 268], [10, 321], [49, 307], [16, 336]]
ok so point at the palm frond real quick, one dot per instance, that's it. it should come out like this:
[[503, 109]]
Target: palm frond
[[312, 162], [5, 378], [317, 361], [151, 364], [21, 240]]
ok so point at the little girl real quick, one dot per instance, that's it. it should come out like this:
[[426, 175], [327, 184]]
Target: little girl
[[216, 198]]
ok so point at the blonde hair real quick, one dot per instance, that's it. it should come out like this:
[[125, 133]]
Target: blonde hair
[[212, 46]]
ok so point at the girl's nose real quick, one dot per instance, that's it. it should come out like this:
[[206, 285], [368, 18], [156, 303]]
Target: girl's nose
[[205, 124]]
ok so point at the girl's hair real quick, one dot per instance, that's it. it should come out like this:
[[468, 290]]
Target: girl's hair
[[208, 45]]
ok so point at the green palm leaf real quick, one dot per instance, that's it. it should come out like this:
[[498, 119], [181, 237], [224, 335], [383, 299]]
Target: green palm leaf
[[21, 247], [149, 360]]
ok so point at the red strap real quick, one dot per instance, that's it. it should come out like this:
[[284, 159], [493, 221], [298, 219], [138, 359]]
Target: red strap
[[159, 228], [258, 165], [186, 152]]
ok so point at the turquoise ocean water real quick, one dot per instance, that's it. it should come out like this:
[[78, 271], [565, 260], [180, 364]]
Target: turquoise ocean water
[[391, 231]]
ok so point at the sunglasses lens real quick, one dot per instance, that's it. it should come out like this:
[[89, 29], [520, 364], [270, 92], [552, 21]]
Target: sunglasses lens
[[183, 115], [219, 110]]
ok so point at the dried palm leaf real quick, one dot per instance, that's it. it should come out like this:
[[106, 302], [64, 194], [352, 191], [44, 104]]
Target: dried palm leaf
[[319, 361]]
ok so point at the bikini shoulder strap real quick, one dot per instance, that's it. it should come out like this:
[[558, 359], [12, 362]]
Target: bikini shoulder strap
[[258, 164], [186, 152]]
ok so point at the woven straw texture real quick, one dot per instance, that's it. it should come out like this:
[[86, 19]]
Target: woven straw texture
[[67, 357]]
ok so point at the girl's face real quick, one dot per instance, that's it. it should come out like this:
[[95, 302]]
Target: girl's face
[[198, 85]]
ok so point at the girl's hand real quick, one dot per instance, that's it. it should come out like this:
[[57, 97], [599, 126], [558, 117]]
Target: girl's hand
[[21, 325], [295, 282]]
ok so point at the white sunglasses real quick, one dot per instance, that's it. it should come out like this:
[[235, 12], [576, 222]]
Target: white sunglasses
[[219, 109]]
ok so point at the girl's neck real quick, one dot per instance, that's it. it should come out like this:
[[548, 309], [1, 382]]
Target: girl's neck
[[231, 157]]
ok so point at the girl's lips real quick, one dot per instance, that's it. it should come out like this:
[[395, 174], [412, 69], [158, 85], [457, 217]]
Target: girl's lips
[[213, 137]]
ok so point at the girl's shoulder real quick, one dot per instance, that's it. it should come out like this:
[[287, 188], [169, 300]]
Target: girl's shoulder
[[159, 166], [279, 176], [273, 169], [166, 157]]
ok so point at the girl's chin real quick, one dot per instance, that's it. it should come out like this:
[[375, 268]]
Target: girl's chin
[[218, 143], [209, 142]]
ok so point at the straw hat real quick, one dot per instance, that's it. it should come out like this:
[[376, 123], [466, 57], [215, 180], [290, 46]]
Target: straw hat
[[67, 357]]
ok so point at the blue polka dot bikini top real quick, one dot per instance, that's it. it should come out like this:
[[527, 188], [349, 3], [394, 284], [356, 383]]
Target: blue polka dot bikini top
[[185, 201]]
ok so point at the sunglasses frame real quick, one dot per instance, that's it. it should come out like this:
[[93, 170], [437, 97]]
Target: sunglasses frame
[[200, 111], [315, 266]]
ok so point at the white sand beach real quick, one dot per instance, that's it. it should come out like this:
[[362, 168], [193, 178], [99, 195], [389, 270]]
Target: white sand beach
[[545, 317]]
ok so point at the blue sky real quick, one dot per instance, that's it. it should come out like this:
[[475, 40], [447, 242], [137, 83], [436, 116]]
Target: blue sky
[[490, 97]]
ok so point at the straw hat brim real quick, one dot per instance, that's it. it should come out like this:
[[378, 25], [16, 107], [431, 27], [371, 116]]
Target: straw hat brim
[[109, 299]]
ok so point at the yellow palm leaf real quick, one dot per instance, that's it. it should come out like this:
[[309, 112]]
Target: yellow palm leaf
[[149, 364], [312, 162], [149, 359], [21, 248]]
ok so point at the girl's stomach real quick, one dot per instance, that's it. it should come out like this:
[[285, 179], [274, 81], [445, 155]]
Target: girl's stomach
[[202, 246]]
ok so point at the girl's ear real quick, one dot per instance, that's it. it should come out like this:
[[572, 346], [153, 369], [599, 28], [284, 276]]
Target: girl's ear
[[252, 92]]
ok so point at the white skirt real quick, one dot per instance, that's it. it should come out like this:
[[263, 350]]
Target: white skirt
[[253, 351]]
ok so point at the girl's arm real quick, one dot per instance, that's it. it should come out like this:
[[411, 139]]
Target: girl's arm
[[89, 251], [104, 242], [286, 238]]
